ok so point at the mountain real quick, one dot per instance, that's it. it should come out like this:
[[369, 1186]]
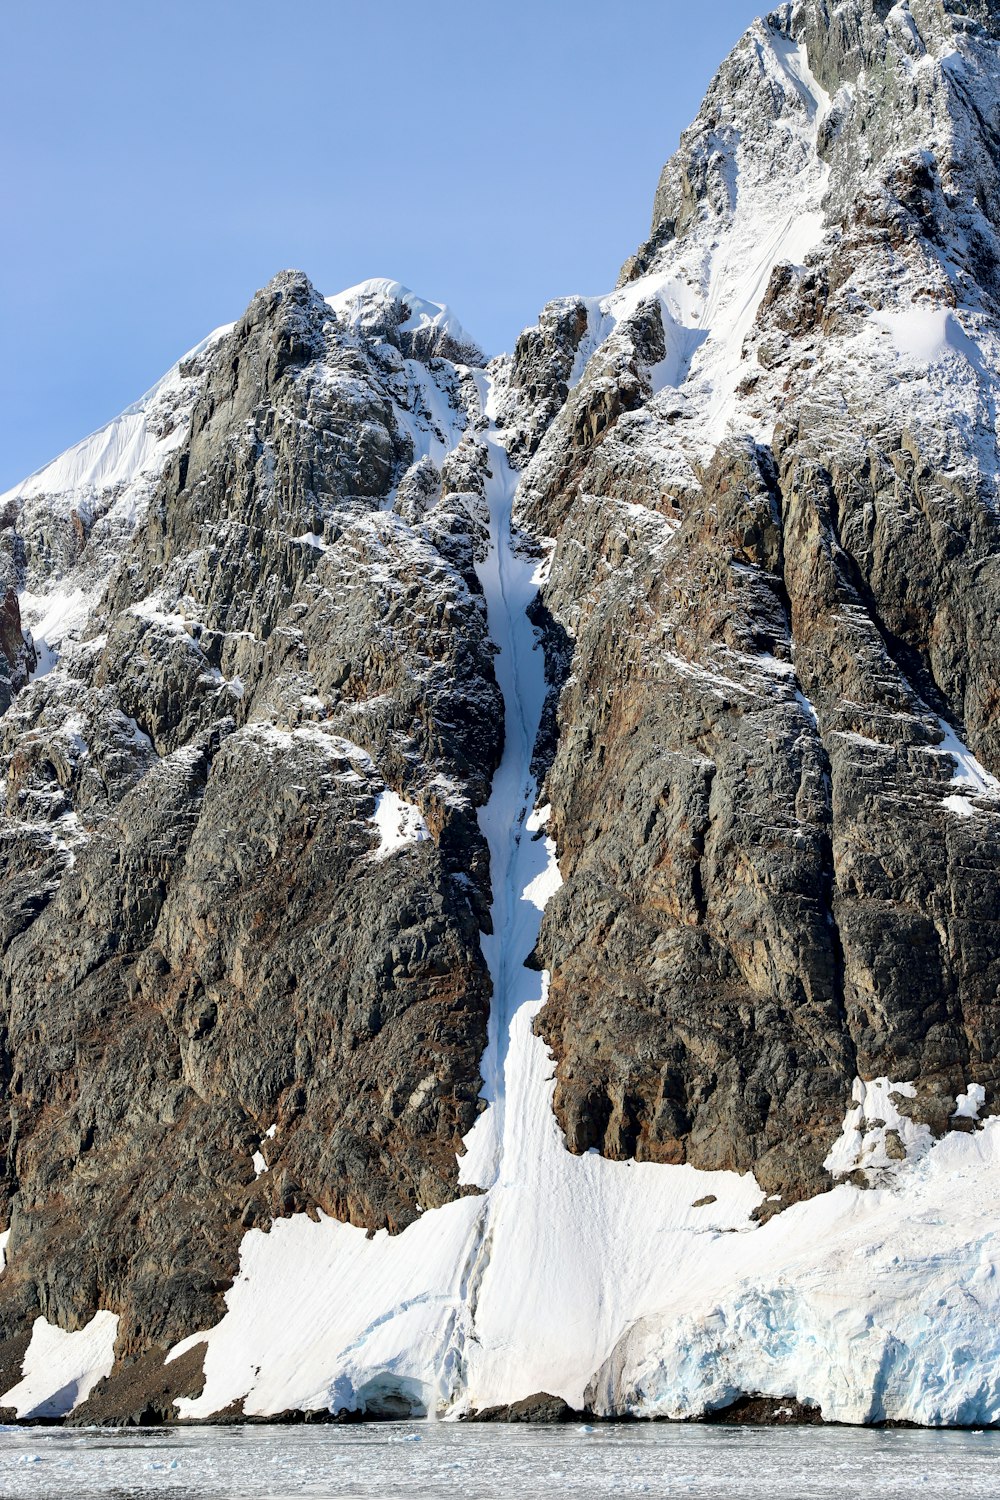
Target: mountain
[[501, 860]]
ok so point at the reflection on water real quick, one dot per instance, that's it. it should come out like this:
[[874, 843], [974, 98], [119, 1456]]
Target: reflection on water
[[432, 1461]]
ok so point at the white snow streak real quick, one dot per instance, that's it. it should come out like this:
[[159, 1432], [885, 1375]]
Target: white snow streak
[[971, 779]]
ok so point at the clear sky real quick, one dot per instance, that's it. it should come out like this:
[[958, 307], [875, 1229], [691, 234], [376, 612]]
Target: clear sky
[[161, 159]]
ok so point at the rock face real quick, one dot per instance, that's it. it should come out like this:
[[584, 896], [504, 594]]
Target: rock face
[[250, 717], [770, 884], [243, 877]]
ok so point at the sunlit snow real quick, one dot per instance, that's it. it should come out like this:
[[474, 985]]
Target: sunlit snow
[[398, 823], [61, 1369]]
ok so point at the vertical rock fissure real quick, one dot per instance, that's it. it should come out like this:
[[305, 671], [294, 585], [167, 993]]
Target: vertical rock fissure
[[829, 874]]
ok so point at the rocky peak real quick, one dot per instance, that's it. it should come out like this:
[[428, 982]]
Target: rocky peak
[[272, 869], [385, 309]]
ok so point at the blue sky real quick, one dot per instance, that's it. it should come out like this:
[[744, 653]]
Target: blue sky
[[162, 160]]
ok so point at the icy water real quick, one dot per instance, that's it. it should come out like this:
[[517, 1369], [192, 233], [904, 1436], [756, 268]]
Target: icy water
[[427, 1461]]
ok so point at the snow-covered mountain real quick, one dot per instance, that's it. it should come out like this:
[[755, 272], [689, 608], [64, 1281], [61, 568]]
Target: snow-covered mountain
[[500, 861]]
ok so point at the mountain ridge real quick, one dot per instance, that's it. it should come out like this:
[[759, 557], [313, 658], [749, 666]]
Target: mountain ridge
[[617, 727]]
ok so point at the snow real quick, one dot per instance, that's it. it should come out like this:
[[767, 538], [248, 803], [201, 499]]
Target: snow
[[493, 1296], [354, 304], [435, 427], [925, 334], [872, 1305], [971, 779], [52, 618], [399, 823], [794, 59], [104, 482], [128, 446], [312, 539], [4, 1237], [61, 1369], [600, 1281], [711, 280], [968, 1105], [862, 1147], [807, 706], [150, 609]]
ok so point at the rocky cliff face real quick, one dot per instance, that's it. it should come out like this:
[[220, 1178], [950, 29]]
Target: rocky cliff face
[[244, 878], [783, 611], [275, 736]]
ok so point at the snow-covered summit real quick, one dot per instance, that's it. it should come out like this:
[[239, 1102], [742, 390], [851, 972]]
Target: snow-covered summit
[[428, 328]]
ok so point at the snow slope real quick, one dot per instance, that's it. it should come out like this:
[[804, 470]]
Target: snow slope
[[61, 1369], [100, 487], [119, 456]]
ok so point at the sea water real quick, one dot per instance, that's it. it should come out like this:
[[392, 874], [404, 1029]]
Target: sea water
[[425, 1461]]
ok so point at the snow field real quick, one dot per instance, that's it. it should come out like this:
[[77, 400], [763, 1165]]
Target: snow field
[[61, 1369]]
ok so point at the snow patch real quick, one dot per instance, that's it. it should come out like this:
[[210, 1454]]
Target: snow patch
[[876, 1137], [971, 779], [926, 335], [968, 1105], [398, 823], [61, 1369], [52, 618]]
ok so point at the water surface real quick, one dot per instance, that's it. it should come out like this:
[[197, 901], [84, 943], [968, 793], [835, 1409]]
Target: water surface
[[437, 1461]]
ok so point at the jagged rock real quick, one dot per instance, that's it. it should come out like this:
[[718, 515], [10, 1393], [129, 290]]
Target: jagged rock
[[766, 889], [250, 716], [219, 946], [766, 1411], [543, 1409], [142, 1394]]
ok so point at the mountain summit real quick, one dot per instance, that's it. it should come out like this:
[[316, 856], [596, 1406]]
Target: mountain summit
[[501, 861]]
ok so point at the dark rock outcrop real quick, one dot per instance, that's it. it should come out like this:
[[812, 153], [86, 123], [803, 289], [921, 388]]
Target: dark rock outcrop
[[542, 1409], [767, 888], [204, 940], [242, 876]]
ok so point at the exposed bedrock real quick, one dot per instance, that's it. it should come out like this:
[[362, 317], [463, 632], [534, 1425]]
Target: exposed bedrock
[[776, 874], [243, 879], [249, 716]]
